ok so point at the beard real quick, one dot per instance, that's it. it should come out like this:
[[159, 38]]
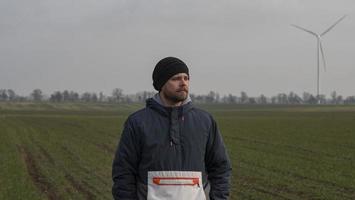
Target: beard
[[177, 96]]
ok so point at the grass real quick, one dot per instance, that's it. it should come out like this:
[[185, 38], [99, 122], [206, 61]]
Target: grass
[[65, 151]]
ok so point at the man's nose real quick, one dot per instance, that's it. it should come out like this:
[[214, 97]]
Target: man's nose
[[184, 82]]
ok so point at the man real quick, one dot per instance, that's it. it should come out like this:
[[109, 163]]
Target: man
[[170, 149]]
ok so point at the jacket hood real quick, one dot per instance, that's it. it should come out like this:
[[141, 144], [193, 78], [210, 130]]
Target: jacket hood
[[156, 104]]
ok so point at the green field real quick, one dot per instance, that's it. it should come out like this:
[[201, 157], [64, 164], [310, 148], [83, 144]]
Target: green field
[[65, 151]]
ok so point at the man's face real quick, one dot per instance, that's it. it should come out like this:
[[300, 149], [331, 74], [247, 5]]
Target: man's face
[[176, 89]]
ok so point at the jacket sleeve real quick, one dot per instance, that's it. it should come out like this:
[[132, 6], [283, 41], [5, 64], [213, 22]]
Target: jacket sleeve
[[125, 165], [218, 165]]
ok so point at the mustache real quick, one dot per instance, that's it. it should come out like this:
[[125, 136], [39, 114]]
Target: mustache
[[182, 89]]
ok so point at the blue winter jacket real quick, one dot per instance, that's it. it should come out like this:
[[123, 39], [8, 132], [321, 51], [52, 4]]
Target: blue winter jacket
[[158, 138]]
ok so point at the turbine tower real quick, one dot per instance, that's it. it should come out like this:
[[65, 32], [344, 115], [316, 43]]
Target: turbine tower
[[319, 47]]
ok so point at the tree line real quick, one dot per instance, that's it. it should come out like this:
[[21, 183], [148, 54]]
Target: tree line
[[117, 96]]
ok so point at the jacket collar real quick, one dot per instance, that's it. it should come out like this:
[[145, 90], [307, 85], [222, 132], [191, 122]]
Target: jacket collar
[[157, 98], [156, 104]]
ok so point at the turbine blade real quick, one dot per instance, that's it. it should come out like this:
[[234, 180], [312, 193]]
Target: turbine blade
[[303, 29], [323, 57], [332, 26]]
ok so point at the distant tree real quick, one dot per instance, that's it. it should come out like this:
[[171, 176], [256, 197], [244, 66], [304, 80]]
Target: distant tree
[[339, 99], [139, 97], [244, 97], [293, 98], [217, 97], [322, 99], [11, 95], [147, 95], [192, 96], [282, 98], [312, 100], [3, 95], [66, 96], [101, 97], [298, 99], [350, 100], [211, 97], [274, 100], [56, 97], [306, 97], [262, 99], [130, 99], [252, 100], [117, 94], [22, 98], [94, 97], [195, 98], [37, 95], [73, 96], [199, 98], [334, 97], [230, 99], [86, 97]]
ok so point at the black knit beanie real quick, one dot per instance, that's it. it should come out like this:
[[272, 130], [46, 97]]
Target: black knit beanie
[[165, 69]]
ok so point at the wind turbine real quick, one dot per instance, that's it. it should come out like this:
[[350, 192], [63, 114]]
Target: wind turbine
[[319, 47]]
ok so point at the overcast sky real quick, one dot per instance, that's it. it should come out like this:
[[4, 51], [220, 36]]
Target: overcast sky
[[229, 45]]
